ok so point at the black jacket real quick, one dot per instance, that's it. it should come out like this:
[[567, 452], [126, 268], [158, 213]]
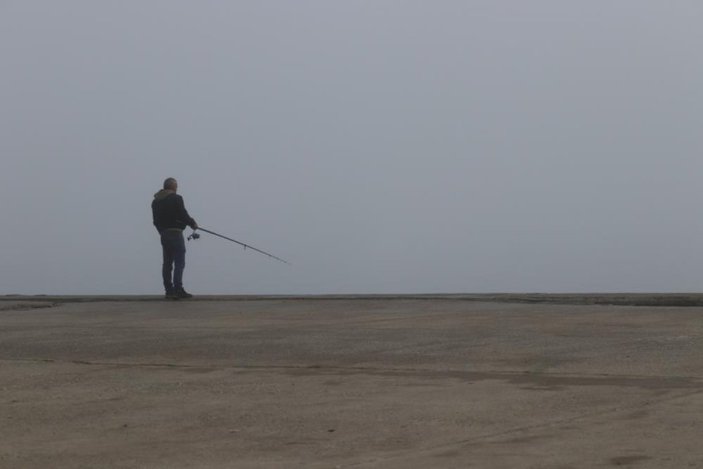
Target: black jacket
[[169, 212]]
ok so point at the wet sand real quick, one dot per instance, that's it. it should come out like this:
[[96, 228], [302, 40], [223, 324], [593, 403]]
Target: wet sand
[[428, 381]]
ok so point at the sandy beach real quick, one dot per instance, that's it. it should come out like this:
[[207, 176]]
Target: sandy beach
[[456, 381]]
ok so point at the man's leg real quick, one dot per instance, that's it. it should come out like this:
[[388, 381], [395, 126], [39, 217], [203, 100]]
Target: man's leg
[[168, 260], [180, 263], [179, 258]]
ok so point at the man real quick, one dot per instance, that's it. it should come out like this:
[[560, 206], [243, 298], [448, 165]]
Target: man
[[170, 219]]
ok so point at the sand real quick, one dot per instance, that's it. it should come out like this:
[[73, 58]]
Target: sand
[[364, 382]]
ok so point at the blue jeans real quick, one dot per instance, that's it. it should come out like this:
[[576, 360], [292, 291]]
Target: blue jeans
[[174, 248]]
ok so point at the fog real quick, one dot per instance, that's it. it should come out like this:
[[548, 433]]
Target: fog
[[378, 146]]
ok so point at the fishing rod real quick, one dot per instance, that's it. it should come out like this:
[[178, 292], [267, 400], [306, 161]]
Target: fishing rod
[[195, 235]]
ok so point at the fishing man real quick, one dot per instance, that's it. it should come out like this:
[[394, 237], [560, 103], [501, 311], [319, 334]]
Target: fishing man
[[170, 219]]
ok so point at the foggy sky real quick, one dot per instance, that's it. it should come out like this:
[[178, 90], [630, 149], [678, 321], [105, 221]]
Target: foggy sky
[[379, 146]]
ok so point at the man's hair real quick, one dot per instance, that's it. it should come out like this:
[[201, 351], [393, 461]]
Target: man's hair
[[169, 183]]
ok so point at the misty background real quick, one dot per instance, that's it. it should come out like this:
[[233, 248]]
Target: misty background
[[379, 146]]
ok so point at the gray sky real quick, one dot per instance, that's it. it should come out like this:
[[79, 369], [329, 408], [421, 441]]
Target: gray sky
[[380, 146]]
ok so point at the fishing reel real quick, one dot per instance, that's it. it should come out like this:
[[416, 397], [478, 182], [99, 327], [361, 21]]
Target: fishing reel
[[193, 235]]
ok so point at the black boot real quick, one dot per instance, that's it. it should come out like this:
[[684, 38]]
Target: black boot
[[181, 293]]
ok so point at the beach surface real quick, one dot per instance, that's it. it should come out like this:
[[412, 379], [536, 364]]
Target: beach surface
[[426, 381]]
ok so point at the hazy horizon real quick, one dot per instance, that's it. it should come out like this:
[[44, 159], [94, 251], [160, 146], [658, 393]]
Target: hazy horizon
[[379, 146]]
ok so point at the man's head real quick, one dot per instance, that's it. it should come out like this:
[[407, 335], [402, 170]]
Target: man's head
[[171, 184]]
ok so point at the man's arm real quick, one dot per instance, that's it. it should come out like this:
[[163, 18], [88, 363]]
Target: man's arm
[[153, 216], [187, 219]]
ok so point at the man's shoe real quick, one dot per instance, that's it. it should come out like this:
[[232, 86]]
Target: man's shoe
[[172, 295], [181, 293]]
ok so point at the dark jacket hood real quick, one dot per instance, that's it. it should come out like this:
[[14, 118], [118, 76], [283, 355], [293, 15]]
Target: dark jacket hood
[[163, 193]]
